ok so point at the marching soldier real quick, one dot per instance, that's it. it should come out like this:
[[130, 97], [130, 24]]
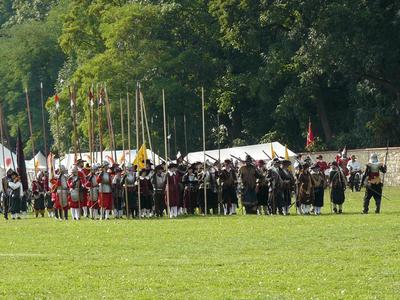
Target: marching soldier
[[38, 195], [158, 182], [262, 188], [83, 172], [75, 184], [248, 175], [373, 183], [16, 193], [172, 188], [61, 198], [228, 180], [306, 189], [6, 192], [44, 182], [118, 193], [287, 185], [275, 201], [319, 185], [190, 183], [104, 179], [93, 192], [128, 182], [337, 181], [146, 193]]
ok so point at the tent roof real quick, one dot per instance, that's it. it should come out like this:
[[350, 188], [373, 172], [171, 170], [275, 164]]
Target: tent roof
[[255, 151], [40, 160]]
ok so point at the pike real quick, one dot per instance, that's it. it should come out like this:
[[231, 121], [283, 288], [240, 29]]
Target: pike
[[204, 147], [165, 150], [128, 105], [110, 124], [31, 129], [58, 145], [73, 115], [100, 111], [90, 128], [147, 128], [137, 140], [2, 139], [46, 153], [269, 157], [123, 155]]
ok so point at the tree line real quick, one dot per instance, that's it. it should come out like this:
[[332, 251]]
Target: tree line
[[268, 67]]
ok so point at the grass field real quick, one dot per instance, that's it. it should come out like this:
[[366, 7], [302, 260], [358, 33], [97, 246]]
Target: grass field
[[255, 257]]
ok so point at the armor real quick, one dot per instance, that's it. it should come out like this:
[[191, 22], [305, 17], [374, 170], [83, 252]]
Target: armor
[[105, 186], [75, 190], [62, 190]]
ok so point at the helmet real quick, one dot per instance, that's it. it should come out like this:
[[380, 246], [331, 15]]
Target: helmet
[[74, 169], [373, 158]]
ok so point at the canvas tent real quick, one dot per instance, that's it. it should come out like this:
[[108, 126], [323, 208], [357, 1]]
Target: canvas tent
[[108, 155], [255, 151], [40, 161]]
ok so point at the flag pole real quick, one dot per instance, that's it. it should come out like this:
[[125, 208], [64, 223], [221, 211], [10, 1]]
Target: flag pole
[[128, 106], [2, 138], [137, 144], [166, 150], [30, 129], [46, 153], [204, 150]]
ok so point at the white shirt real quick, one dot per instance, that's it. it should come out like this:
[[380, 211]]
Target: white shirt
[[353, 166]]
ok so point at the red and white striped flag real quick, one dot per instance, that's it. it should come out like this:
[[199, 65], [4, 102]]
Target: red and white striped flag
[[57, 101]]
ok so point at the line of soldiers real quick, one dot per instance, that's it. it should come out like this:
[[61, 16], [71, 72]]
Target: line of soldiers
[[102, 190]]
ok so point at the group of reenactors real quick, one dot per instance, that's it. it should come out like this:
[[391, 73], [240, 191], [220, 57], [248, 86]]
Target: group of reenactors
[[102, 191]]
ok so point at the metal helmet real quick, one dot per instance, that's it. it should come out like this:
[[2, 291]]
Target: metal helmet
[[63, 169], [105, 164], [74, 170], [373, 158]]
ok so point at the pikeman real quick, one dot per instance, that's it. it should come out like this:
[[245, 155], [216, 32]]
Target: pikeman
[[93, 192], [287, 185], [75, 184], [190, 183], [38, 195], [262, 188], [337, 182], [373, 183], [83, 172], [49, 204], [16, 193], [104, 179], [128, 181], [158, 182], [248, 175], [172, 182], [228, 181], [146, 194], [319, 181], [118, 191], [61, 199], [180, 171]]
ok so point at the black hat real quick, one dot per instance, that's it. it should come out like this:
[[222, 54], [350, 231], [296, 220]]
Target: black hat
[[172, 165], [159, 167], [80, 160], [142, 170], [248, 159], [148, 162]]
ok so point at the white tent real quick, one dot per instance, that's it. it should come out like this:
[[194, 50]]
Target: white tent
[[108, 155], [40, 161], [255, 151]]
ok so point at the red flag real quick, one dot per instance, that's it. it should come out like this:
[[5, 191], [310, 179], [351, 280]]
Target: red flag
[[57, 101], [310, 135]]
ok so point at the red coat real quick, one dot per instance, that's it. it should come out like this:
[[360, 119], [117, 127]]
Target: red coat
[[173, 189]]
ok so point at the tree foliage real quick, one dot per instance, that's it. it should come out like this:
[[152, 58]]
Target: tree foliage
[[267, 67]]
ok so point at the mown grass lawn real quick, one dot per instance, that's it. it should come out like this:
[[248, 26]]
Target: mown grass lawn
[[304, 257]]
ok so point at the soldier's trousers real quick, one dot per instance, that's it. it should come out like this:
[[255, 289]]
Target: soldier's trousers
[[376, 192]]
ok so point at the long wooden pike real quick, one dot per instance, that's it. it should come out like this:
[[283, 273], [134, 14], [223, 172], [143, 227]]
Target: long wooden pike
[[204, 148], [46, 153], [73, 115], [166, 150], [137, 142], [100, 117], [90, 103], [2, 137], [110, 124], [128, 108], [31, 129], [147, 128], [123, 155]]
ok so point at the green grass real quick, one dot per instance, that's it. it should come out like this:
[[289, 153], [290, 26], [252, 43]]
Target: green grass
[[303, 257]]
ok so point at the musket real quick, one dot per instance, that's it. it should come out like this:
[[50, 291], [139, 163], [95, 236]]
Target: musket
[[269, 157], [211, 157], [237, 158], [379, 194], [386, 156]]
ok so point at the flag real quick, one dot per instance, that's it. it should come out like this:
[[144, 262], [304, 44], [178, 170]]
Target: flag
[[310, 135], [36, 165], [101, 97], [141, 157], [287, 157], [273, 154], [57, 101], [21, 167], [122, 158]]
